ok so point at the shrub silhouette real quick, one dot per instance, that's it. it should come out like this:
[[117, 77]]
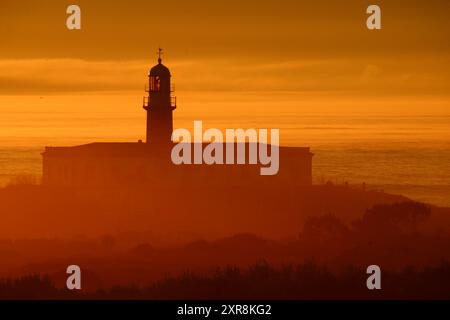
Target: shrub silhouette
[[397, 217], [323, 228]]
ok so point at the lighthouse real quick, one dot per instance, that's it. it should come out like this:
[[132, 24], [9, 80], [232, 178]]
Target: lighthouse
[[136, 164], [159, 104]]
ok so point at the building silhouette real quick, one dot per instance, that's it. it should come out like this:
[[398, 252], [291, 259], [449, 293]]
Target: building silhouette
[[149, 163]]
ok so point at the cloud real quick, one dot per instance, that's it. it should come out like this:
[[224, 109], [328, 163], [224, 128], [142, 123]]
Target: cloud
[[30, 76], [46, 76]]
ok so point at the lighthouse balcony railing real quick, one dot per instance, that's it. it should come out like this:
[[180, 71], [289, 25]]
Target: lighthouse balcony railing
[[146, 102]]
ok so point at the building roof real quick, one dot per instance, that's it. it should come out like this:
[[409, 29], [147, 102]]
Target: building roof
[[102, 149], [160, 70], [134, 149]]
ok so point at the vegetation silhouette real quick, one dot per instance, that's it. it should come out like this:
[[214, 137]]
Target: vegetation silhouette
[[260, 281], [327, 260], [29, 287]]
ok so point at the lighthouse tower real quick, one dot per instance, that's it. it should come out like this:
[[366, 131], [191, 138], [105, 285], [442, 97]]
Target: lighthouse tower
[[159, 104]]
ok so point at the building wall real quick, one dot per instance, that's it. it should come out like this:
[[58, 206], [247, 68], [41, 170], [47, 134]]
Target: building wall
[[80, 169]]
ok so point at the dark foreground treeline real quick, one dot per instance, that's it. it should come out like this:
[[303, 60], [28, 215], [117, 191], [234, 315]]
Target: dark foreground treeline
[[261, 281]]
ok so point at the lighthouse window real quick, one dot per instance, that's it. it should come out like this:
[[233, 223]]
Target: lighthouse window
[[155, 83]]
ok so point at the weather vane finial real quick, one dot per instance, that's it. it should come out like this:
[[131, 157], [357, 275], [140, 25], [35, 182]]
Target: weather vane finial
[[160, 51]]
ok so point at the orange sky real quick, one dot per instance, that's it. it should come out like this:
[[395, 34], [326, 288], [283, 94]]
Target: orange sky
[[316, 46], [232, 61]]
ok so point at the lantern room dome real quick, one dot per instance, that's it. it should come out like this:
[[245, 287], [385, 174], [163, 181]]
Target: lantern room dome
[[160, 70]]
